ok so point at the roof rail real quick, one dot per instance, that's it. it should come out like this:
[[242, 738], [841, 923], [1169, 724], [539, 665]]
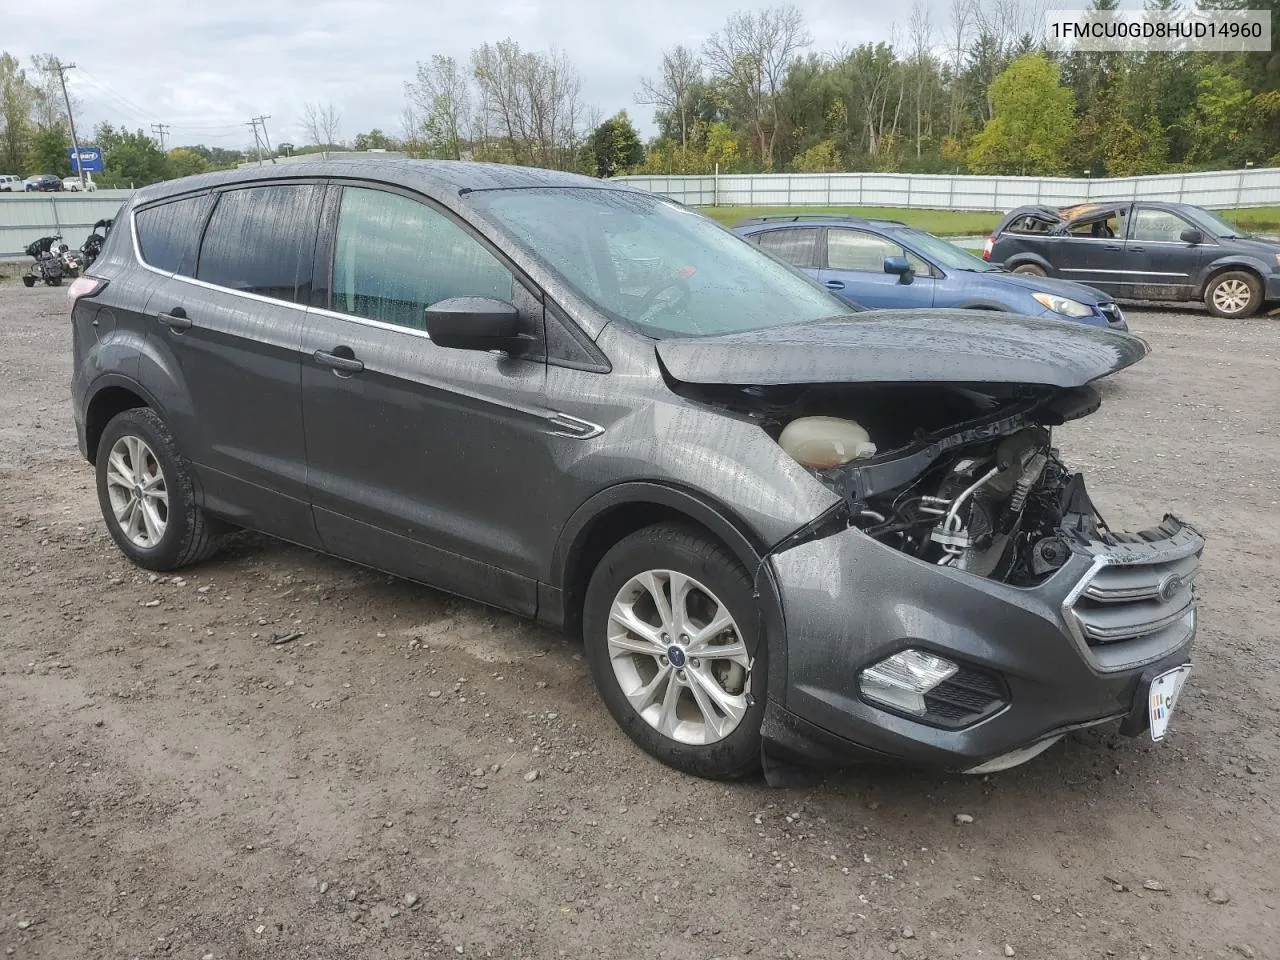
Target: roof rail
[[794, 217]]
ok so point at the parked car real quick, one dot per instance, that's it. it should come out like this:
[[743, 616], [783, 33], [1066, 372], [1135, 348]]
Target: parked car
[[11, 184], [782, 530], [884, 263], [73, 184], [1143, 250], [44, 183]]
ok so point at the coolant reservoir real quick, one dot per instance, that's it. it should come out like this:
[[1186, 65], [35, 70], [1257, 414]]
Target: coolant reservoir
[[820, 443]]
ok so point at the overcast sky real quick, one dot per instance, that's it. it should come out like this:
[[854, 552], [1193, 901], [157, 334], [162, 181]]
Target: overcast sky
[[207, 66]]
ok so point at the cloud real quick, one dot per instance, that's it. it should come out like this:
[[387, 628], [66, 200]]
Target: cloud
[[206, 66]]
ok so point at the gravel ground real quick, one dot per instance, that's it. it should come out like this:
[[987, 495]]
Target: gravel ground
[[420, 776]]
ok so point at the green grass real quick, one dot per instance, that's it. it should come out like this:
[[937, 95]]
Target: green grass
[[968, 223], [945, 223]]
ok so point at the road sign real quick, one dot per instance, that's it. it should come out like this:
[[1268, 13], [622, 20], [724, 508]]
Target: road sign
[[90, 159]]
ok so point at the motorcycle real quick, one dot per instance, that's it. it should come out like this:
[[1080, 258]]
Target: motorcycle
[[72, 261], [48, 266], [92, 246]]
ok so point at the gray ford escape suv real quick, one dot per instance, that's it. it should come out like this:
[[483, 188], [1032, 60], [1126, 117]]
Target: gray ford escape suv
[[783, 531]]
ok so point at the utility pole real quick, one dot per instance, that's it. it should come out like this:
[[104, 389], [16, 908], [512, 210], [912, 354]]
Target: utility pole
[[159, 130], [257, 144], [62, 69]]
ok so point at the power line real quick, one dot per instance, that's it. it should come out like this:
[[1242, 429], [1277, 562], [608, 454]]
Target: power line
[[257, 143]]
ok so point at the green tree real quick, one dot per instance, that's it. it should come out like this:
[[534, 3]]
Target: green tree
[[133, 158], [1032, 121], [48, 153], [820, 158], [723, 148], [1130, 150], [185, 162], [375, 139], [1219, 117], [16, 101], [614, 147]]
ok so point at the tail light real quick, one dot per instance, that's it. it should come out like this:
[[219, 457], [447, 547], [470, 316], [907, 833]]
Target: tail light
[[85, 287], [987, 247]]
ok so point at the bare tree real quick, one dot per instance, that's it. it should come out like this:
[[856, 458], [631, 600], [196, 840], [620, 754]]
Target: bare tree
[[48, 109], [750, 58], [321, 123], [961, 21], [923, 68], [16, 100], [675, 89], [443, 98], [529, 104]]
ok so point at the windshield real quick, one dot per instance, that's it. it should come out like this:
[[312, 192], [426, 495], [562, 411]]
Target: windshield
[[644, 260], [1211, 222], [946, 255]]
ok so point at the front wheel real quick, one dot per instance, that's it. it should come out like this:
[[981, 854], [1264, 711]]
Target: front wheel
[[672, 634], [28, 280], [1030, 270], [146, 494], [1235, 293]]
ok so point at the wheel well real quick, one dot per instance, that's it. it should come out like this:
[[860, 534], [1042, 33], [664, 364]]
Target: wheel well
[[1232, 268], [600, 535], [106, 403]]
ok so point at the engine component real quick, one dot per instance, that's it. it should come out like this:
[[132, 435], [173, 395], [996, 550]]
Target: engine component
[[821, 443]]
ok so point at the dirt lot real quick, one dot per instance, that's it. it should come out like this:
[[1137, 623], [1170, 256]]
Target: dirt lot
[[172, 783]]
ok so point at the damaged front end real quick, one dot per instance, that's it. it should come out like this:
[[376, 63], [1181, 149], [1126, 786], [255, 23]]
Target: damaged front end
[[962, 603]]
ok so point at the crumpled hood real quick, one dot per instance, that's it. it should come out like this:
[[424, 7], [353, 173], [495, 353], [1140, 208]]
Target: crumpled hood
[[906, 346]]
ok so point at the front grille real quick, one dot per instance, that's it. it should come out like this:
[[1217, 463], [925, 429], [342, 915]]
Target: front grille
[[1138, 602], [964, 698], [1112, 312]]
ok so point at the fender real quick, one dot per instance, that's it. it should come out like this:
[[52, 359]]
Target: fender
[[1233, 261], [1028, 256], [746, 548]]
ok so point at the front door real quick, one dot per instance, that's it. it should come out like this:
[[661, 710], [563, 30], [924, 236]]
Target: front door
[[231, 323], [1159, 264], [419, 456], [855, 272]]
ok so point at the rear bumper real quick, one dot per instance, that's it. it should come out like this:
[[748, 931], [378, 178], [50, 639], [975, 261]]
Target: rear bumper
[[850, 602]]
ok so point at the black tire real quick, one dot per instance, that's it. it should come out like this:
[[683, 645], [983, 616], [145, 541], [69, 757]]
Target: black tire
[[188, 535], [28, 281], [1030, 270], [689, 551], [53, 281], [1217, 302]]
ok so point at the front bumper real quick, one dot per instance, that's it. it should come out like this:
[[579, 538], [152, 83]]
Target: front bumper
[[1271, 285], [1071, 652]]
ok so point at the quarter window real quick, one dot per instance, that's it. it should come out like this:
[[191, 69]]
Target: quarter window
[[865, 252], [1157, 225], [395, 257], [169, 233], [262, 240], [796, 246]]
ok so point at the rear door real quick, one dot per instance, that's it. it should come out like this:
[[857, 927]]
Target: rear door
[[229, 323], [423, 461], [1159, 264], [1090, 249], [854, 271], [798, 246]]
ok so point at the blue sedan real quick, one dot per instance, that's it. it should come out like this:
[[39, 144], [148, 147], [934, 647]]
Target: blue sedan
[[886, 264]]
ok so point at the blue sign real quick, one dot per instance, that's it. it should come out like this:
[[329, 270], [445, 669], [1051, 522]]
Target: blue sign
[[90, 159]]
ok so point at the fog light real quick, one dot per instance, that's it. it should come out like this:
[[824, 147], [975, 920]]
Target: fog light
[[901, 681]]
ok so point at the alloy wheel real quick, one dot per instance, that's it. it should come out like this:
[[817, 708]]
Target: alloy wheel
[[1232, 295], [679, 657], [137, 490]]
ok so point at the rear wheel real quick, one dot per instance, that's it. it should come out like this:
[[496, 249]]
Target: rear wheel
[[146, 494], [1030, 270], [1235, 293], [28, 281], [672, 635]]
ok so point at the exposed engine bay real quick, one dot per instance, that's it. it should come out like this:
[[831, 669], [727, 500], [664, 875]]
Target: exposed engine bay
[[954, 476]]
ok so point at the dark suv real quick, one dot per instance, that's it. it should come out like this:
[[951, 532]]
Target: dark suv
[[1143, 250], [782, 531]]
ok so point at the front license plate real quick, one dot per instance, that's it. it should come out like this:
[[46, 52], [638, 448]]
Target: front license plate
[[1163, 697]]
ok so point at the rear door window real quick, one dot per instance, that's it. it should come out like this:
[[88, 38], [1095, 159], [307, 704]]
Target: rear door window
[[797, 246], [262, 240], [396, 256], [169, 234]]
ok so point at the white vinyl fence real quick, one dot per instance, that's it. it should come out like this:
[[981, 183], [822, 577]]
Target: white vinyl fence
[[25, 217], [1217, 190]]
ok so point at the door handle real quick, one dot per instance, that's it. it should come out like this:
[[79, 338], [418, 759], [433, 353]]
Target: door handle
[[1138, 249], [176, 319], [339, 363], [1111, 246], [834, 284]]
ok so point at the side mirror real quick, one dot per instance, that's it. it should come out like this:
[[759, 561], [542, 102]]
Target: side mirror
[[473, 323], [1191, 235], [901, 267]]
